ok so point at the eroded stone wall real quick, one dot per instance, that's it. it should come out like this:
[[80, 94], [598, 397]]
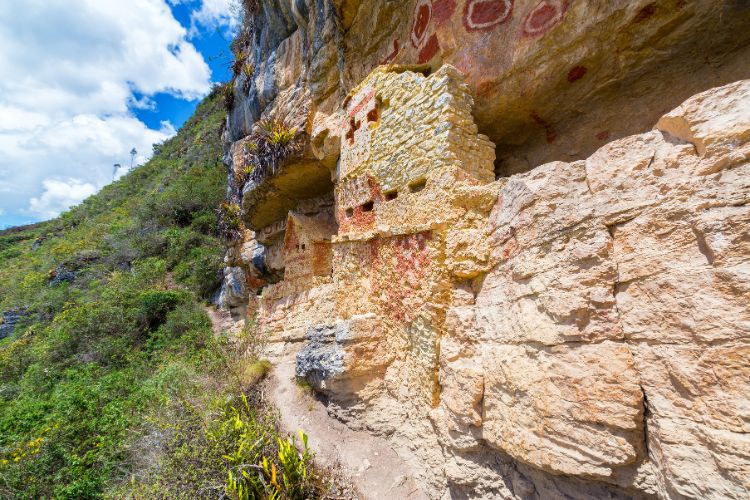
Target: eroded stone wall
[[587, 320], [573, 329]]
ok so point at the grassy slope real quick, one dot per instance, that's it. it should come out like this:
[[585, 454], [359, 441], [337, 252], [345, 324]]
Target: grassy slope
[[92, 358], [113, 384]]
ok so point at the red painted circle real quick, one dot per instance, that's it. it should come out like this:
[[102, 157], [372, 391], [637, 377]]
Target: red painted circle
[[483, 15], [429, 50], [544, 16], [422, 18]]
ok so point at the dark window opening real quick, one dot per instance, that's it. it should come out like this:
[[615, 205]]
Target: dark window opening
[[303, 246], [350, 132], [350, 212], [372, 116], [417, 186], [367, 207], [391, 195]]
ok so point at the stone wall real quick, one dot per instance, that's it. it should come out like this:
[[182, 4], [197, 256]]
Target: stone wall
[[515, 328]]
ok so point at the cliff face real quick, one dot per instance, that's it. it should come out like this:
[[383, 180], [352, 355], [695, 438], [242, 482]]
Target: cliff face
[[521, 249]]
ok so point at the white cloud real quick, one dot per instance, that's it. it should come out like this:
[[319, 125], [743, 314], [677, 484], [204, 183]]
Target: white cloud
[[59, 195], [71, 70], [217, 14]]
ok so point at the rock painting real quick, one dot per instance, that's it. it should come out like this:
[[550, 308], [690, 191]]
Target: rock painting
[[392, 56], [484, 15], [355, 147], [422, 18], [423, 36], [409, 258], [543, 17], [442, 10]]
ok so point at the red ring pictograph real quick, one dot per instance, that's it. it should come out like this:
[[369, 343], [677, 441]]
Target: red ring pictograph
[[544, 16], [422, 18], [484, 15]]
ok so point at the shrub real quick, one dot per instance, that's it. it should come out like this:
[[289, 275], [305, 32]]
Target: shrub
[[228, 97], [153, 306], [230, 221], [201, 270], [256, 473]]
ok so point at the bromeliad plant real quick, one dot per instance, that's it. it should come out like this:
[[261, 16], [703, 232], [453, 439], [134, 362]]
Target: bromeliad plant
[[269, 147], [253, 471]]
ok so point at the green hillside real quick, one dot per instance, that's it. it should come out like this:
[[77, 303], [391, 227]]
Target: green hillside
[[112, 382]]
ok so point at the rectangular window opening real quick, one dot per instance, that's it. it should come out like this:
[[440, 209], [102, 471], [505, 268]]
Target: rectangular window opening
[[391, 195], [417, 186], [368, 207]]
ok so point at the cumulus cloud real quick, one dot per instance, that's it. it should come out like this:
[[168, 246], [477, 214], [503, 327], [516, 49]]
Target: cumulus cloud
[[59, 195], [71, 70], [217, 14]]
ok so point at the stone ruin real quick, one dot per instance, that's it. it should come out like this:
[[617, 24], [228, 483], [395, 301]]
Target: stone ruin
[[526, 307]]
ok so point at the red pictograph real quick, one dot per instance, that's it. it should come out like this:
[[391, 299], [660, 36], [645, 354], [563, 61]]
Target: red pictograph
[[422, 18], [544, 17], [484, 15], [442, 10]]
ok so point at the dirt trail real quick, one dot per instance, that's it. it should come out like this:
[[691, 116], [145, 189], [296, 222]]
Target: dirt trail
[[374, 468]]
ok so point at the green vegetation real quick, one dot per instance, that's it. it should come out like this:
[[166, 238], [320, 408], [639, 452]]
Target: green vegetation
[[113, 383], [271, 144]]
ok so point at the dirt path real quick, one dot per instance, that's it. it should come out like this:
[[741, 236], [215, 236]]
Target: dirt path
[[222, 321], [374, 468]]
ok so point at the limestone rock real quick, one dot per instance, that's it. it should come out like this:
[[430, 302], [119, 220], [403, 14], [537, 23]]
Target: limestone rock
[[572, 329], [339, 359]]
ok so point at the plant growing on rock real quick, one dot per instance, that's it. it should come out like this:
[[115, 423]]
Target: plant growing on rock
[[230, 222], [228, 96], [272, 143]]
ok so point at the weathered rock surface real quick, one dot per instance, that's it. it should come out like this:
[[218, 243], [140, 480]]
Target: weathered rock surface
[[8, 322], [600, 335], [578, 329], [552, 79]]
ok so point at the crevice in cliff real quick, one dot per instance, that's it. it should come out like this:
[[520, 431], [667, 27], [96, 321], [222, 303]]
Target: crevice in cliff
[[703, 247], [646, 414]]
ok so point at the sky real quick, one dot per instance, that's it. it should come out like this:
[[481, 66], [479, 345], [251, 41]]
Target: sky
[[83, 82]]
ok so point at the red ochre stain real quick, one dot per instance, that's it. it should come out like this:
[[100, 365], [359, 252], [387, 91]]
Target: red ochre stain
[[646, 12], [603, 135], [393, 54], [442, 10], [429, 50], [576, 73], [484, 15], [361, 104], [407, 257], [421, 20], [550, 132], [544, 16]]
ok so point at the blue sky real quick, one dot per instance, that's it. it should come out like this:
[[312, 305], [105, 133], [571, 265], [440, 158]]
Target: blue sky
[[85, 81], [213, 43]]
